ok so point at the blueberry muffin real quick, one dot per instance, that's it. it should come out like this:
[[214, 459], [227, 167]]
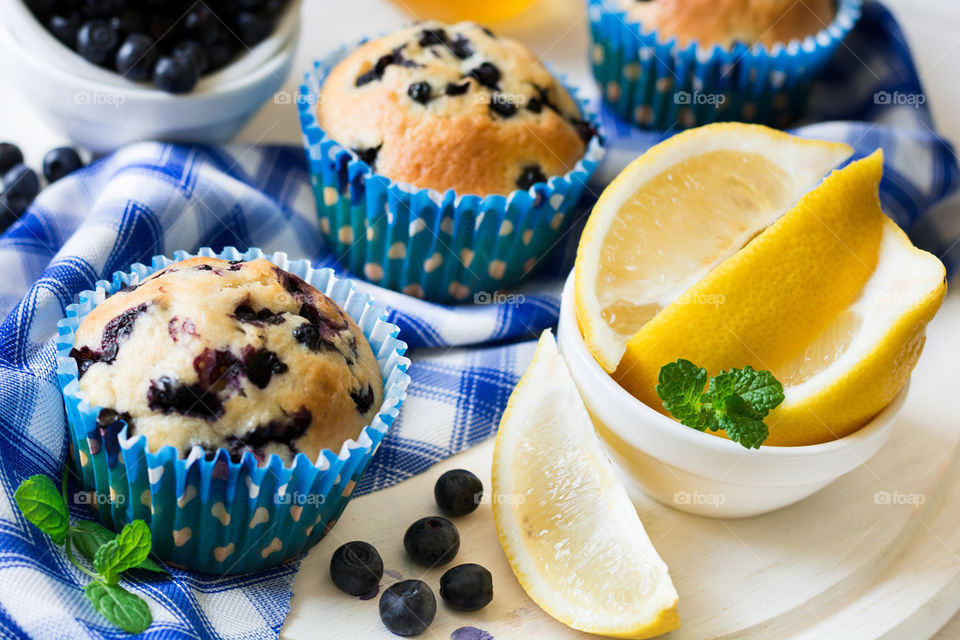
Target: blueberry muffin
[[726, 22], [239, 355], [453, 107]]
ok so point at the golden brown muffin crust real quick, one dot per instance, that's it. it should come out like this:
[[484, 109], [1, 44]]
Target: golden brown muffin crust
[[438, 138], [725, 22], [243, 356]]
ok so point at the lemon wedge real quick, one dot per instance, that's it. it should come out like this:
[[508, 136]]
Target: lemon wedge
[[859, 362], [832, 298], [678, 211], [567, 527]]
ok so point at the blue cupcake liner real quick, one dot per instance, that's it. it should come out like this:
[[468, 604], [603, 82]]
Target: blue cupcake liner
[[218, 516], [439, 246], [661, 85]]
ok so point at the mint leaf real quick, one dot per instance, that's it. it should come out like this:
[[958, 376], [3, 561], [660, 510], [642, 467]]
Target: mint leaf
[[742, 422], [760, 389], [41, 503], [134, 541], [124, 609], [736, 401], [722, 386], [89, 535], [150, 565], [104, 561], [680, 387], [128, 550]]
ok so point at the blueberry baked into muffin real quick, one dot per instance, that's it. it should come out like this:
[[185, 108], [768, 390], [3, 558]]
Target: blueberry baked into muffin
[[726, 22], [239, 355], [453, 107]]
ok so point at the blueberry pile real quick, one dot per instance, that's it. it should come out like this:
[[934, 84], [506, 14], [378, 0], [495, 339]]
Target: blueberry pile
[[20, 184], [408, 607], [171, 42]]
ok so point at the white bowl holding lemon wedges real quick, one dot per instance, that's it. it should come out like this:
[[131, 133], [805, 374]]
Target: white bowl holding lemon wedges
[[697, 472], [719, 246]]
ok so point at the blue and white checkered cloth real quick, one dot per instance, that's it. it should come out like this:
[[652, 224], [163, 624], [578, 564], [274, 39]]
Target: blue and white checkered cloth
[[151, 199]]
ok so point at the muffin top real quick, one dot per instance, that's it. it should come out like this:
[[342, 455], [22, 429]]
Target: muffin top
[[453, 107], [726, 22], [240, 355]]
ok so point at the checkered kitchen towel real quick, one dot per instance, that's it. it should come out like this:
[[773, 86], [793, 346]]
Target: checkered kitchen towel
[[150, 199]]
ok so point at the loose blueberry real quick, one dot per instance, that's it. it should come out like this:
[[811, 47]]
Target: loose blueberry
[[10, 156], [454, 89], [96, 41], [130, 21], [419, 92], [136, 56], [458, 492], [432, 541], [159, 25], [175, 75], [103, 8], [273, 7], [467, 587], [407, 608], [253, 28], [221, 45], [41, 8], [529, 176], [59, 162], [64, 28], [199, 20], [21, 181], [356, 568], [194, 52], [486, 74], [10, 210]]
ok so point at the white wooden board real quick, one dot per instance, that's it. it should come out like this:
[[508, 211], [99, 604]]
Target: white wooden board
[[875, 555]]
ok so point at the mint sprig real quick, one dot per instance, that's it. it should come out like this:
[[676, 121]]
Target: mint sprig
[[111, 553], [736, 401], [41, 503]]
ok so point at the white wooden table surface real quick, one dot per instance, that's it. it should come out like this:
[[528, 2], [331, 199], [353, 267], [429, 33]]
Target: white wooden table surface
[[556, 30]]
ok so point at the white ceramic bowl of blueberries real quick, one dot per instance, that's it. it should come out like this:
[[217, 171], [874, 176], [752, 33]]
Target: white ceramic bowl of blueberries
[[115, 72]]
